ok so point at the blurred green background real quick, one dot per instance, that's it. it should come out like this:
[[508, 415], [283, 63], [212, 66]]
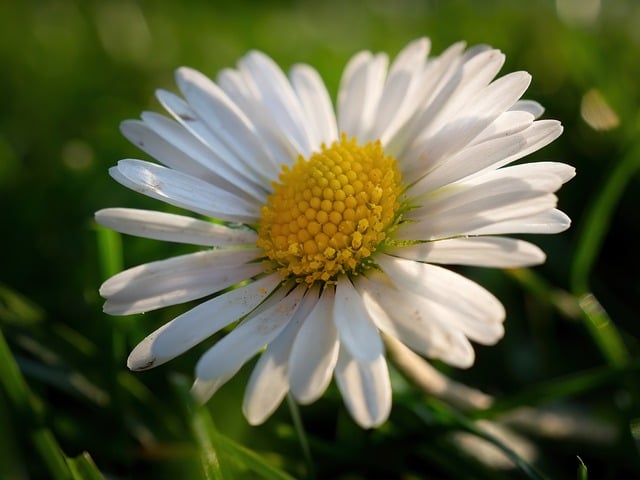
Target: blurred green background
[[72, 70]]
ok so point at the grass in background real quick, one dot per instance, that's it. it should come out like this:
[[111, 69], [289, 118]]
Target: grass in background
[[565, 395]]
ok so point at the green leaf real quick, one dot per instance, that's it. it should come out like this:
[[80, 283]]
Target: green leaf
[[83, 468], [583, 474]]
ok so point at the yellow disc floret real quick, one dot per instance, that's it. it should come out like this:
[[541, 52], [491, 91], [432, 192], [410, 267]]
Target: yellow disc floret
[[329, 213]]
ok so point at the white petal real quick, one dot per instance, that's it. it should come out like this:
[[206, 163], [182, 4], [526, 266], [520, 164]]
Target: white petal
[[241, 88], [185, 191], [141, 135], [473, 304], [315, 351], [199, 323], [433, 90], [221, 174], [226, 357], [547, 222], [269, 382], [494, 188], [471, 89], [258, 170], [316, 103], [177, 280], [497, 252], [365, 388], [459, 209], [356, 331], [534, 108], [278, 97], [534, 174], [488, 104], [398, 101], [458, 112], [173, 228], [430, 328], [507, 124], [538, 135], [359, 93], [223, 117]]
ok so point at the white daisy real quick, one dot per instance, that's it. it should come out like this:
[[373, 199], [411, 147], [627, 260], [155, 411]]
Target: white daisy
[[330, 227]]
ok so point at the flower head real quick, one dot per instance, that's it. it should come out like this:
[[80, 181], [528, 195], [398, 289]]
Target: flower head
[[331, 227]]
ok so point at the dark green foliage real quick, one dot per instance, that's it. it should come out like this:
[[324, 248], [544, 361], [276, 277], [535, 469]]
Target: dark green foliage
[[73, 70]]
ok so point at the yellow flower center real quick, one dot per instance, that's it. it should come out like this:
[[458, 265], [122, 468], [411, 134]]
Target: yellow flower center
[[329, 213]]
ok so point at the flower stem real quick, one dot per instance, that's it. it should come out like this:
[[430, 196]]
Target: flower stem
[[302, 436]]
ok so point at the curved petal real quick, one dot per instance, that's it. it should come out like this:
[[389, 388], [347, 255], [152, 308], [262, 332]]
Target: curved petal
[[173, 228], [474, 305], [530, 106], [278, 97], [269, 381], [365, 388], [453, 106], [440, 78], [220, 172], [316, 104], [178, 279], [356, 331], [432, 329], [547, 222], [474, 117], [143, 137], [469, 212], [359, 93], [184, 191], [258, 170], [225, 358], [223, 117], [315, 351], [241, 88], [496, 252], [199, 323], [398, 99]]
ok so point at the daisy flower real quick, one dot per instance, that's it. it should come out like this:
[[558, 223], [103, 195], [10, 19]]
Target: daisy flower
[[322, 230]]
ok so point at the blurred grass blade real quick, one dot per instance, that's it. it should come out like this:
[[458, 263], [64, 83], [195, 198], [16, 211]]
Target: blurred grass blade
[[51, 453], [590, 239], [17, 309], [583, 474], [559, 388], [203, 430], [250, 459], [445, 415], [211, 442], [109, 251], [302, 435], [603, 331], [111, 262], [598, 219], [12, 379], [29, 413], [83, 468]]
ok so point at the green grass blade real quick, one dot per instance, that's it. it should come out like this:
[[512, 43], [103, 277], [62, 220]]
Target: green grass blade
[[51, 454], [559, 388], [583, 473], [302, 435], [604, 332], [203, 431], [109, 251], [250, 459], [12, 380], [448, 416], [83, 468], [591, 237]]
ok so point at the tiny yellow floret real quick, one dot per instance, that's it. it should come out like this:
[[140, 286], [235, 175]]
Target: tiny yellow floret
[[329, 213]]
